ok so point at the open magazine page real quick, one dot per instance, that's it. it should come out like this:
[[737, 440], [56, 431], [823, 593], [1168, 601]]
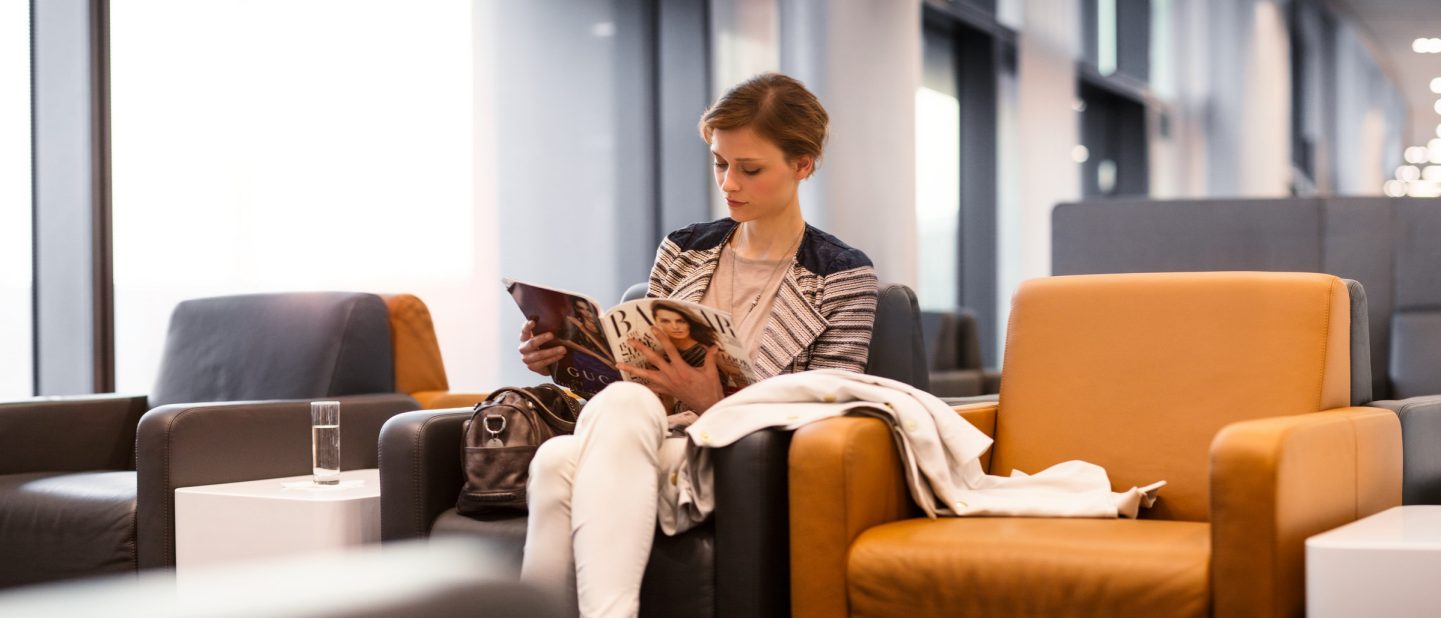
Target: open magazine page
[[691, 327], [589, 365]]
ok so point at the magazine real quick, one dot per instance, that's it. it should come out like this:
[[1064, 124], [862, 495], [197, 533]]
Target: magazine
[[597, 341]]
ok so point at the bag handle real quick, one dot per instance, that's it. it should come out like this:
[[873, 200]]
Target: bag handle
[[547, 414]]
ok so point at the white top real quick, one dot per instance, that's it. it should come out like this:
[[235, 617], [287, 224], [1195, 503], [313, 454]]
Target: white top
[[353, 484], [1415, 527]]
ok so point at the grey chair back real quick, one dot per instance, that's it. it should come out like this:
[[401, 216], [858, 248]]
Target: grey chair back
[[276, 346], [897, 349]]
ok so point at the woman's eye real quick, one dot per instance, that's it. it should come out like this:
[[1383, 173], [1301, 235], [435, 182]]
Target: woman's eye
[[751, 172], [720, 166]]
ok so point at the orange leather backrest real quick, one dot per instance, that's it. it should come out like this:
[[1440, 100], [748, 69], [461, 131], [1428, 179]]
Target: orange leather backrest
[[1137, 373], [418, 366]]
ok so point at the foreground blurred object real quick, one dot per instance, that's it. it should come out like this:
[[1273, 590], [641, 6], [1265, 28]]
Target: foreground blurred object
[[87, 483], [736, 564], [1232, 387], [1388, 245], [441, 578]]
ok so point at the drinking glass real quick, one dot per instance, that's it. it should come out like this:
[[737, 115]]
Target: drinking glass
[[325, 441]]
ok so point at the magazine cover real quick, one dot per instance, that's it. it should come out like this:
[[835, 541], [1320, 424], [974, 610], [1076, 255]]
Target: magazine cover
[[598, 341], [589, 365]]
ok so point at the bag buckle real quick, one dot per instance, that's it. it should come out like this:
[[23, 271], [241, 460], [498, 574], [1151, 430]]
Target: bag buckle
[[493, 429]]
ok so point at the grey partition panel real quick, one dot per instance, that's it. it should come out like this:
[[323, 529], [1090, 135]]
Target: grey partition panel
[[1417, 238], [1177, 236], [1416, 354], [1356, 244]]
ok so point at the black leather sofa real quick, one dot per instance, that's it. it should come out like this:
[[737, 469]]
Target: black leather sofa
[[736, 564], [87, 483]]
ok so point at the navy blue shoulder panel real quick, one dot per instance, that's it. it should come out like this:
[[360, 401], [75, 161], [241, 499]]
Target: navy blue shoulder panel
[[820, 253], [702, 236], [826, 255]]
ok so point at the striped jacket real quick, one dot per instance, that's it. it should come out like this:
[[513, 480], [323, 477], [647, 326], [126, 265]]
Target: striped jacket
[[824, 309]]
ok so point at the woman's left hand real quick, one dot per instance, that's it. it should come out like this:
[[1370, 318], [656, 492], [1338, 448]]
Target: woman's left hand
[[698, 388]]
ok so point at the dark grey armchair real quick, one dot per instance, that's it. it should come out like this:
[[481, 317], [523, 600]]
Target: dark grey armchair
[[953, 347], [87, 483], [736, 564]]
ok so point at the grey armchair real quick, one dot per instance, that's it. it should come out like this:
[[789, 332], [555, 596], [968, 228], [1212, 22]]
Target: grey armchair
[[87, 483], [736, 564], [953, 347]]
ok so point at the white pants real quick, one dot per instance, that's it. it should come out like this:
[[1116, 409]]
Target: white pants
[[593, 500]]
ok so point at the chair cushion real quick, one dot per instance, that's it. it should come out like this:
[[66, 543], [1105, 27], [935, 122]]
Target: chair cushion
[[276, 346], [1031, 567], [1137, 373], [505, 536], [897, 350], [61, 525], [418, 364]]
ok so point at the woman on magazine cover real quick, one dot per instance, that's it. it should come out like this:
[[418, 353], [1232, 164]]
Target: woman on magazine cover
[[801, 299]]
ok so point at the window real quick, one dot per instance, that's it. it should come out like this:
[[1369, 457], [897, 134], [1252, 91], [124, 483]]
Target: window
[[275, 145], [16, 323]]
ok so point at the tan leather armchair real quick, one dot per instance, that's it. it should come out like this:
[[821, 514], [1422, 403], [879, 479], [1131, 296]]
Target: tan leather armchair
[[1232, 387], [419, 368]]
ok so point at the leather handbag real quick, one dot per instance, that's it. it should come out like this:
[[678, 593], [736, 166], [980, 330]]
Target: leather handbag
[[501, 438]]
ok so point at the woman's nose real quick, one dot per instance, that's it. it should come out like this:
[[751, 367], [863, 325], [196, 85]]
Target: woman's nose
[[730, 185]]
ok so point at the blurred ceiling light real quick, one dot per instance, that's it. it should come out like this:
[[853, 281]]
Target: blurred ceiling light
[[1394, 188], [1431, 173], [1438, 106], [1408, 173], [1433, 150], [1080, 153], [1079, 106], [1416, 154], [1436, 85], [1106, 176], [1426, 46], [1423, 189]]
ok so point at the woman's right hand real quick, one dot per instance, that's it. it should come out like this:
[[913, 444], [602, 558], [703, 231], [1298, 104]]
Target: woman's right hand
[[535, 357]]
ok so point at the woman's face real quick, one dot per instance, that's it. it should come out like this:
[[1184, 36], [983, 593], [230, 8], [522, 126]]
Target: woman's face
[[672, 324], [754, 175]]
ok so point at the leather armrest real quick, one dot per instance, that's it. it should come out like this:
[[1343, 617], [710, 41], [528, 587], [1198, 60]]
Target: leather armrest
[[752, 526], [1421, 437], [1275, 482], [983, 416], [845, 477], [69, 434], [420, 470], [184, 445], [439, 400]]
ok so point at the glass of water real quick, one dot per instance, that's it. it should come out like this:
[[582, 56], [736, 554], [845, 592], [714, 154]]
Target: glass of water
[[325, 441]]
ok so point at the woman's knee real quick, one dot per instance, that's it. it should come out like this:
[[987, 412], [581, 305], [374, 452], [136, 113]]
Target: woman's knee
[[626, 400]]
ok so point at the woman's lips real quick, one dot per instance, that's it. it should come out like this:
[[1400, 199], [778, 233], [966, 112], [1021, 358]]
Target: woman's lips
[[733, 203]]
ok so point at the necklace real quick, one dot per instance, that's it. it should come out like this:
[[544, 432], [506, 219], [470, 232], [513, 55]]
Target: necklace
[[735, 274]]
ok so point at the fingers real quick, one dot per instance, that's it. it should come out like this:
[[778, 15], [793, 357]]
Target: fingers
[[650, 355], [527, 331], [535, 343]]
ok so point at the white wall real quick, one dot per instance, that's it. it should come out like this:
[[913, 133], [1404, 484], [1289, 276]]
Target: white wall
[[15, 262]]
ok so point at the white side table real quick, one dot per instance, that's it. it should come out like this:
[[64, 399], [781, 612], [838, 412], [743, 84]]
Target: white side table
[[272, 517], [1388, 564]]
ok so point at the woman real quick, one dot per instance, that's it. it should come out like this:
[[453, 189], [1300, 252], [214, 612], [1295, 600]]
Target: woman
[[801, 299]]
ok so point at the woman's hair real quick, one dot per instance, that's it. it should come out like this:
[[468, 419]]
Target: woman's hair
[[778, 108], [699, 331]]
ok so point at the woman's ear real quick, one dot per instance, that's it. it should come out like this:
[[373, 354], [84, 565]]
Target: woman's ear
[[805, 166]]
